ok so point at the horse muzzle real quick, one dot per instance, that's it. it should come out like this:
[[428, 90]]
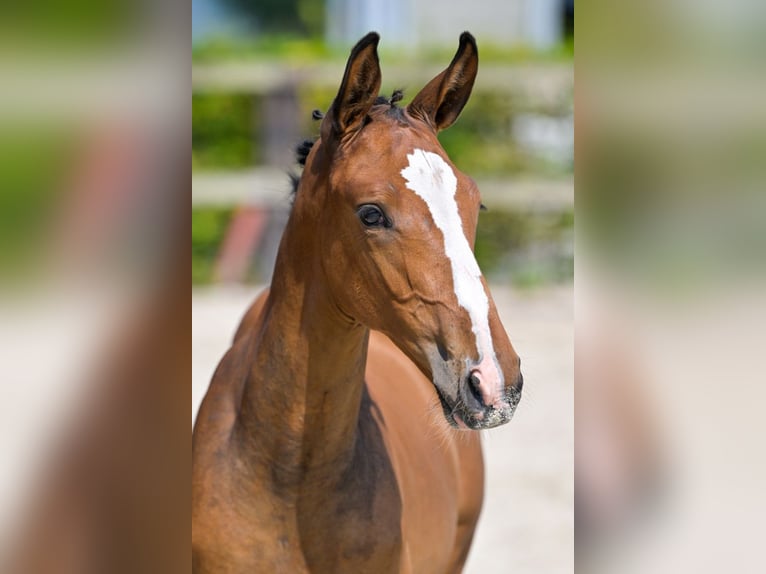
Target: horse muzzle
[[484, 408], [481, 403]]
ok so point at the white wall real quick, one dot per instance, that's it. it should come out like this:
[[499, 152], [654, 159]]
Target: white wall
[[439, 22]]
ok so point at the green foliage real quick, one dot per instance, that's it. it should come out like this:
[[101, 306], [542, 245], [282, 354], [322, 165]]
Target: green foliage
[[480, 143], [65, 26], [498, 234], [286, 48], [305, 41], [32, 181], [223, 128], [527, 248], [208, 229]]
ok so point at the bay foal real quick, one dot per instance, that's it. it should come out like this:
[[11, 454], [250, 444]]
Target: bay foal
[[318, 447]]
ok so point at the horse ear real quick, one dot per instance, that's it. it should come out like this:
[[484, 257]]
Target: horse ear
[[442, 100], [360, 86]]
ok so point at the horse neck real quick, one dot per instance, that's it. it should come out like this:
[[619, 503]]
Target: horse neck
[[301, 399]]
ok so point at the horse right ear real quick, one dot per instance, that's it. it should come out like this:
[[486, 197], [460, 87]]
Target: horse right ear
[[360, 86]]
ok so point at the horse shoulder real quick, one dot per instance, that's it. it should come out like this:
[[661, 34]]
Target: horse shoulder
[[217, 527]]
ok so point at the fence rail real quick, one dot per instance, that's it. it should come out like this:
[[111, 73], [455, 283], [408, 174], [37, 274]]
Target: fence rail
[[543, 82], [269, 187]]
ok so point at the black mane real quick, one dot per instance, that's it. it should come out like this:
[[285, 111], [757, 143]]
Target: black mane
[[303, 149]]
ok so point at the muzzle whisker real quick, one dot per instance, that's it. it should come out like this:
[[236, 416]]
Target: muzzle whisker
[[439, 428]]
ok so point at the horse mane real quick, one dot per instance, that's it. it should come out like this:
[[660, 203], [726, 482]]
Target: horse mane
[[303, 149]]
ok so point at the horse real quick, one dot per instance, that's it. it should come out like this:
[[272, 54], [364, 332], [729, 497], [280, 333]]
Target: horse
[[338, 433]]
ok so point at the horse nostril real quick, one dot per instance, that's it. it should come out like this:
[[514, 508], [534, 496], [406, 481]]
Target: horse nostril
[[443, 352], [473, 386], [520, 382]]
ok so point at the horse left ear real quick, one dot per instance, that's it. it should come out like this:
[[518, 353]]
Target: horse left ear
[[359, 88], [443, 98]]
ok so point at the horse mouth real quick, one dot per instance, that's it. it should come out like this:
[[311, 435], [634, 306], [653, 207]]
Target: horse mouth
[[455, 418], [448, 410], [460, 417]]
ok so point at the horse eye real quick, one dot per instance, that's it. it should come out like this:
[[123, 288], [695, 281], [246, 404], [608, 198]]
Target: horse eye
[[372, 216]]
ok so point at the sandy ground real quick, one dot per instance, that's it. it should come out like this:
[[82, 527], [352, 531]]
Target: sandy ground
[[527, 525]]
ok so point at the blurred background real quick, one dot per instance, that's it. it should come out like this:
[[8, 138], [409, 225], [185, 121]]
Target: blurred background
[[258, 71], [670, 286], [671, 231]]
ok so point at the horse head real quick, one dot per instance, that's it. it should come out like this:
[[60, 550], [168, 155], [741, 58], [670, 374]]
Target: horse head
[[395, 223]]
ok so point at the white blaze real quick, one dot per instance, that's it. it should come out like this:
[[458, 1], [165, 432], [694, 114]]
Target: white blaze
[[432, 179]]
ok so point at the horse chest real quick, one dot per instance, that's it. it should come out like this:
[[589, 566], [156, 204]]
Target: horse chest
[[355, 525], [330, 531]]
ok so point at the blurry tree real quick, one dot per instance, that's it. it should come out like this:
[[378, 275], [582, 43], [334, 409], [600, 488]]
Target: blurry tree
[[290, 16]]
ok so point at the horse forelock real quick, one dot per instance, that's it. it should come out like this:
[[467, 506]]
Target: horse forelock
[[385, 106]]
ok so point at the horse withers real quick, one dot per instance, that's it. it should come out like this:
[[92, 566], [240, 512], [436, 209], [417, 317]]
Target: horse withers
[[336, 435]]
